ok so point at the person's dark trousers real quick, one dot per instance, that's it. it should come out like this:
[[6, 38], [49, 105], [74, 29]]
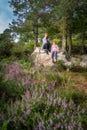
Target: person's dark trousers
[[47, 47], [54, 55]]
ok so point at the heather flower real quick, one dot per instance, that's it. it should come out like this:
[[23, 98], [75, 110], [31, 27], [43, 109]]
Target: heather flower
[[59, 125], [50, 87], [48, 96], [51, 122], [71, 103], [27, 93], [80, 128], [69, 127], [25, 115], [15, 72], [17, 102], [64, 105], [15, 77], [35, 128], [54, 114], [31, 81], [54, 102], [68, 113], [59, 101], [41, 125], [13, 68], [74, 123]]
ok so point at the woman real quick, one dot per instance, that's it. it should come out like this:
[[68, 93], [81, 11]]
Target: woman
[[46, 43]]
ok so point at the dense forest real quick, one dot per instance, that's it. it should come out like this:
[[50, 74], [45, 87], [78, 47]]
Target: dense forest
[[62, 20], [38, 97]]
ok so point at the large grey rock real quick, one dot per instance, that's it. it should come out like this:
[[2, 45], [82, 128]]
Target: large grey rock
[[62, 56], [79, 61], [75, 61], [41, 58], [83, 62]]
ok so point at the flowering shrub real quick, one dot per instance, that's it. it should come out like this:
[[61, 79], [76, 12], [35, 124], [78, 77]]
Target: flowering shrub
[[14, 72], [39, 101], [14, 81], [41, 110]]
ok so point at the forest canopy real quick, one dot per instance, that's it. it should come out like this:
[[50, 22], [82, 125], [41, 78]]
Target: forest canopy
[[65, 20]]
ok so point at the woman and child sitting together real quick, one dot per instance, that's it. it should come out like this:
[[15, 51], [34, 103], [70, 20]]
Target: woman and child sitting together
[[47, 46]]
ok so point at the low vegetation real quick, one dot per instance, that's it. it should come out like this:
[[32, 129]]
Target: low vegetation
[[52, 100]]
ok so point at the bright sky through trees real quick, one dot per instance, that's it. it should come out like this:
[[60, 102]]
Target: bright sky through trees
[[6, 15]]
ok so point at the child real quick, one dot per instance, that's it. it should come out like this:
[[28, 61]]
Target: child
[[54, 51]]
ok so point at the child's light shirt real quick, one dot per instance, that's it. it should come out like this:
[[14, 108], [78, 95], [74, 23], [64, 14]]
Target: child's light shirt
[[54, 48]]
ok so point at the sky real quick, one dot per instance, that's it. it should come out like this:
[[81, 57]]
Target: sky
[[6, 15]]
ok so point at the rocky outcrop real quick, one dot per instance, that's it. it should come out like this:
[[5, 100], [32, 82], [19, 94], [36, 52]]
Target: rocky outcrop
[[62, 56], [79, 61], [75, 61], [83, 62], [41, 58]]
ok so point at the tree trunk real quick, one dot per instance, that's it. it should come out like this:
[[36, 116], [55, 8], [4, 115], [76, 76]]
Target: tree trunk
[[70, 43], [63, 43], [36, 37], [83, 40], [36, 33], [66, 43]]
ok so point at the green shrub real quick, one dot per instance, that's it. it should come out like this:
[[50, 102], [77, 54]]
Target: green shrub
[[15, 81], [5, 49], [18, 50], [5, 124], [26, 64], [28, 48], [60, 65], [58, 42], [12, 89], [39, 44]]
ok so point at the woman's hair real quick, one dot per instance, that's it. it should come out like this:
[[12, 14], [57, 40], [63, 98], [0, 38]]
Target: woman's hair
[[46, 35]]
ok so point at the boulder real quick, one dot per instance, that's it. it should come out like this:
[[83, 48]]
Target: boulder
[[83, 62], [79, 61], [63, 58], [40, 57], [75, 61]]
